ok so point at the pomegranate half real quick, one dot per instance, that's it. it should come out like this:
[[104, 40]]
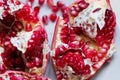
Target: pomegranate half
[[23, 40], [84, 41]]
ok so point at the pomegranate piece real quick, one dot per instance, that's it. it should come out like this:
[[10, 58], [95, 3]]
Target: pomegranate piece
[[60, 4], [23, 43], [53, 17], [80, 48], [45, 19]]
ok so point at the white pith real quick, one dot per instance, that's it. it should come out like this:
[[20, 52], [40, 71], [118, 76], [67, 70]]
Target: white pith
[[89, 20], [21, 40]]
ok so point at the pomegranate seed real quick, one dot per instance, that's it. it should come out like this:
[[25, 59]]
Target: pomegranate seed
[[17, 26], [2, 68], [64, 9], [45, 19], [50, 3], [96, 10], [78, 9], [60, 4], [30, 2], [1, 78], [59, 75], [30, 64], [54, 8], [83, 4], [1, 3], [74, 13], [38, 62], [8, 19], [53, 17], [17, 2], [28, 27], [65, 16], [36, 10], [41, 2]]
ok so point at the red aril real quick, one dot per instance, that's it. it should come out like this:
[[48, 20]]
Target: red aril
[[41, 2], [54, 8], [28, 27], [17, 26], [45, 19], [60, 4], [53, 17], [36, 10]]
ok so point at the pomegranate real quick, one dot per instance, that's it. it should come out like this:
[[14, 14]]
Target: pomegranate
[[60, 4], [82, 44], [41, 2], [24, 47], [45, 19], [53, 17]]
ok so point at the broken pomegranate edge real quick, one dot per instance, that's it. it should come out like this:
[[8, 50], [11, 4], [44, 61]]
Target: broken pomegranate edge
[[55, 44], [23, 40], [11, 75]]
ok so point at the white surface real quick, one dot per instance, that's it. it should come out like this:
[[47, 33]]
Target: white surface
[[110, 71]]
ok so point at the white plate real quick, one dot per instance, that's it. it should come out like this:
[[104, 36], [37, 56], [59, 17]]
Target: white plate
[[110, 71]]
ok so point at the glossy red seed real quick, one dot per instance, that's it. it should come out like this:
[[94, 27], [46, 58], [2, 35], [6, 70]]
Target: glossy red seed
[[45, 19], [1, 3], [64, 9], [17, 26], [50, 3], [65, 16], [1, 78], [30, 2], [2, 68], [83, 4], [28, 27], [78, 9], [60, 4], [74, 13], [17, 2], [41, 2], [30, 64], [53, 17], [36, 10], [54, 8]]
